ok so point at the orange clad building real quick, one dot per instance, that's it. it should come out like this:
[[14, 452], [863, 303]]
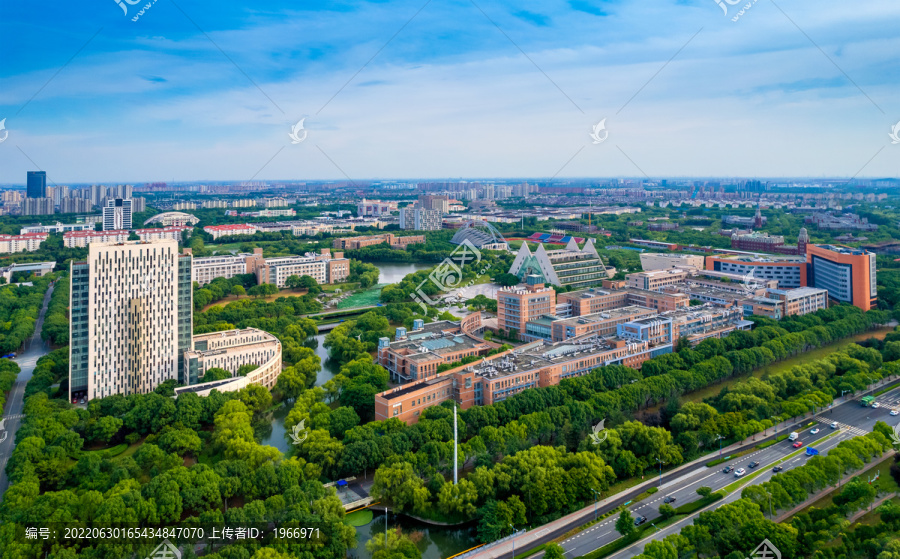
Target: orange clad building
[[847, 273]]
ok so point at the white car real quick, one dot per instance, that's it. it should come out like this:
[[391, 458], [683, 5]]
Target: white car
[[876, 405], [895, 412], [814, 431], [739, 472]]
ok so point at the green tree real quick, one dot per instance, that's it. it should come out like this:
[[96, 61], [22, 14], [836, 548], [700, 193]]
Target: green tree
[[238, 290], [393, 545], [704, 491], [666, 510], [215, 373], [554, 551], [625, 524]]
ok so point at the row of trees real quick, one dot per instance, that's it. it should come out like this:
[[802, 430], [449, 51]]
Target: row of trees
[[20, 306], [56, 322], [734, 530], [219, 288], [9, 370]]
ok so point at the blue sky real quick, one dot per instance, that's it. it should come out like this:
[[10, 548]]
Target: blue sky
[[202, 90]]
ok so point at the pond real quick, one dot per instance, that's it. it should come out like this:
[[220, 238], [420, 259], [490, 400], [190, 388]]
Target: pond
[[435, 542]]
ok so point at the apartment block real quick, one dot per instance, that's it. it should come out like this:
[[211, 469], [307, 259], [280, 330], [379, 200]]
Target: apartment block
[[518, 304], [420, 219], [374, 208], [847, 273], [37, 206], [117, 214], [130, 307], [26, 242], [81, 239]]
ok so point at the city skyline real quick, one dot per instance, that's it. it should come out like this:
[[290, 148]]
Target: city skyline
[[211, 92]]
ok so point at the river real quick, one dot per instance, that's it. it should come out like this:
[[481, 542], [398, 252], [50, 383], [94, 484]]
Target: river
[[435, 542]]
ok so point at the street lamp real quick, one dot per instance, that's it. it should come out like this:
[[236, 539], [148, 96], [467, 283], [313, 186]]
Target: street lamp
[[596, 499], [514, 540], [719, 438], [660, 469]]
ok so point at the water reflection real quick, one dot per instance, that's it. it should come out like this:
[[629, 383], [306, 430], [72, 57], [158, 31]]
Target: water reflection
[[434, 542]]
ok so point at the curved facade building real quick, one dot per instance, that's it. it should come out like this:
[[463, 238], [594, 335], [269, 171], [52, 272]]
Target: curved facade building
[[230, 350]]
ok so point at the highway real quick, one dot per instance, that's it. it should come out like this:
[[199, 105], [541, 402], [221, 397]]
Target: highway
[[35, 348], [852, 418]]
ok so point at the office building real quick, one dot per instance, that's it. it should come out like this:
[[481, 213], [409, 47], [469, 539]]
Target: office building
[[57, 228], [324, 268], [657, 279], [26, 242], [36, 187], [570, 266], [790, 272], [847, 273], [37, 206], [131, 308], [595, 300], [117, 214], [536, 364], [232, 229], [778, 303], [231, 350], [371, 240], [517, 305], [651, 261], [417, 355], [420, 219], [209, 268], [603, 324], [375, 208]]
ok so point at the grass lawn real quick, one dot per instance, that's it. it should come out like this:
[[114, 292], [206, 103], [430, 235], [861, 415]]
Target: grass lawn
[[286, 292], [359, 518], [367, 298]]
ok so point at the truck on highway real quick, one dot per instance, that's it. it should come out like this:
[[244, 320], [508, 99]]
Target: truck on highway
[[810, 451], [793, 436], [867, 401]]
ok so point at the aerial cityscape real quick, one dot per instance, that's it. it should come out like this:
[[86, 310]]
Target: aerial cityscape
[[353, 280]]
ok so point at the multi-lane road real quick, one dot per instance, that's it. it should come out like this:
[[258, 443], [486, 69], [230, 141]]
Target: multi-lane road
[[35, 348], [852, 420]]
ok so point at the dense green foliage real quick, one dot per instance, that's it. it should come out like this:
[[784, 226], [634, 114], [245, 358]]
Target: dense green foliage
[[54, 479], [219, 288], [20, 306], [9, 370], [56, 322]]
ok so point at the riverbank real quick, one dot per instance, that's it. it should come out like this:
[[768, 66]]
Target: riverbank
[[785, 365]]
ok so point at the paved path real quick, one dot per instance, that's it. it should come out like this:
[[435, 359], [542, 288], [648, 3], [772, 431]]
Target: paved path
[[35, 348]]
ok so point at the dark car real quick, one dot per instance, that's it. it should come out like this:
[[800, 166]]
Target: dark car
[[640, 520], [777, 469], [669, 499], [754, 464], [728, 469]]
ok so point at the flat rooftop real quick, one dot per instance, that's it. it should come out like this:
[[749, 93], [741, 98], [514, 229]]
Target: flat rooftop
[[611, 314]]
